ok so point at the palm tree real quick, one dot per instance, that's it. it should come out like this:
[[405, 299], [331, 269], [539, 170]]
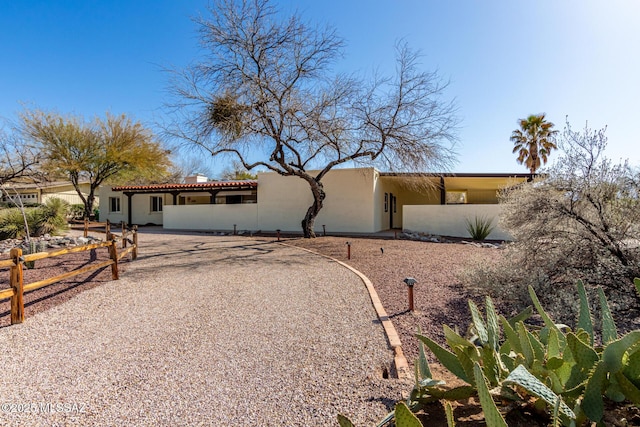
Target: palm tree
[[534, 141]]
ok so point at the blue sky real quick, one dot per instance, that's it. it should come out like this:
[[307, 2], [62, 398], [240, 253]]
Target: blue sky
[[504, 59]]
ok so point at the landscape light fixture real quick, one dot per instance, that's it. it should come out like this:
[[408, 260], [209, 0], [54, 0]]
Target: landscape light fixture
[[410, 281], [348, 250]]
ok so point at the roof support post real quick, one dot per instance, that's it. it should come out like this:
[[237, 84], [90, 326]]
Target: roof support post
[[175, 197], [443, 192], [129, 209], [213, 193]]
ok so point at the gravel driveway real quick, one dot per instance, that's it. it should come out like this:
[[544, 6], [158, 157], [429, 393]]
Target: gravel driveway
[[203, 330]]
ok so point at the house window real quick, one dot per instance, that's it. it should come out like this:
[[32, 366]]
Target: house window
[[114, 204], [156, 204], [235, 199], [250, 198], [456, 197]]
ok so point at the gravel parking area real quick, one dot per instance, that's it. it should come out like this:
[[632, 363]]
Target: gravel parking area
[[203, 330]]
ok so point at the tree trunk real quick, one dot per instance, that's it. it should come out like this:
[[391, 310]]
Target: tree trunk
[[88, 206], [86, 201], [317, 189]]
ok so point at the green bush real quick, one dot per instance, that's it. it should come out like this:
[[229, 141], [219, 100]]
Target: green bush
[[48, 218], [480, 228], [52, 216], [11, 224], [76, 211]]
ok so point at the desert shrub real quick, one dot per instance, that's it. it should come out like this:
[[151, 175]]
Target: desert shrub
[[578, 221], [47, 218], [11, 224], [51, 217], [76, 211], [480, 227]]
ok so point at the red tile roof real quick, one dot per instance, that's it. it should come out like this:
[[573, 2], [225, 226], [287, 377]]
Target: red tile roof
[[198, 186]]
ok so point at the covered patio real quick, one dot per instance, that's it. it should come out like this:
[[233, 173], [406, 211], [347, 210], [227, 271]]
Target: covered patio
[[201, 193]]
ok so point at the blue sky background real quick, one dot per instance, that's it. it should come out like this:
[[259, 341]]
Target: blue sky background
[[505, 60]]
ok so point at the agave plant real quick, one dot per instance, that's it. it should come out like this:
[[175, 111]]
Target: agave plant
[[480, 227]]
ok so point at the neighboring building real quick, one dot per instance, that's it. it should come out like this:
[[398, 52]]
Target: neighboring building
[[38, 193], [360, 200]]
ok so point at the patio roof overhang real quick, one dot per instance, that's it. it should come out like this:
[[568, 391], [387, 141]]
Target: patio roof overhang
[[212, 187], [528, 176], [185, 188]]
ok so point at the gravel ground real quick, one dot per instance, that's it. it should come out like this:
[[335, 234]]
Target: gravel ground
[[439, 296], [203, 330]]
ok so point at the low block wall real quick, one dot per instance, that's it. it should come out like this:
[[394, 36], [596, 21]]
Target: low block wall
[[211, 217], [451, 220]]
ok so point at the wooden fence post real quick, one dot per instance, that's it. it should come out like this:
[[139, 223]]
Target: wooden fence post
[[124, 234], [16, 282], [134, 254], [86, 227], [107, 228], [113, 254]]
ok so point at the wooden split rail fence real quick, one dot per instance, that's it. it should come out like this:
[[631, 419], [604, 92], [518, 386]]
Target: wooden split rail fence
[[17, 259]]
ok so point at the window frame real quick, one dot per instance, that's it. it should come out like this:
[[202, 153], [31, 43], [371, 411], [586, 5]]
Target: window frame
[[116, 201], [461, 199], [156, 204]]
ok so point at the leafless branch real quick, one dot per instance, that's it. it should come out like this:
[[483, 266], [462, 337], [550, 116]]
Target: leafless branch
[[265, 90]]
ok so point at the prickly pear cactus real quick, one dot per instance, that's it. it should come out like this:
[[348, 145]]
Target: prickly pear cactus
[[523, 378], [448, 410], [344, 421], [492, 416], [585, 322], [405, 418], [609, 329]]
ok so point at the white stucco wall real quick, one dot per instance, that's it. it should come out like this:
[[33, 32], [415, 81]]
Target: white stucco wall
[[211, 217], [140, 204], [105, 192], [380, 217], [141, 207], [348, 207], [450, 220], [406, 193]]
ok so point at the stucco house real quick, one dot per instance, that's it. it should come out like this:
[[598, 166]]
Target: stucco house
[[40, 192], [359, 200]]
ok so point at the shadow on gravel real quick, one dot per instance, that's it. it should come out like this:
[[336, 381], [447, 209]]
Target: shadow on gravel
[[42, 296], [457, 312], [387, 402], [213, 254]]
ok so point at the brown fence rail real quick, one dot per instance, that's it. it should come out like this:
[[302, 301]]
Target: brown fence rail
[[17, 259], [99, 227]]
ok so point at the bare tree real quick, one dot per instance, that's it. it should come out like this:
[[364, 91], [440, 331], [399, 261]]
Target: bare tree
[[18, 159], [236, 172], [265, 94], [184, 164], [578, 221]]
